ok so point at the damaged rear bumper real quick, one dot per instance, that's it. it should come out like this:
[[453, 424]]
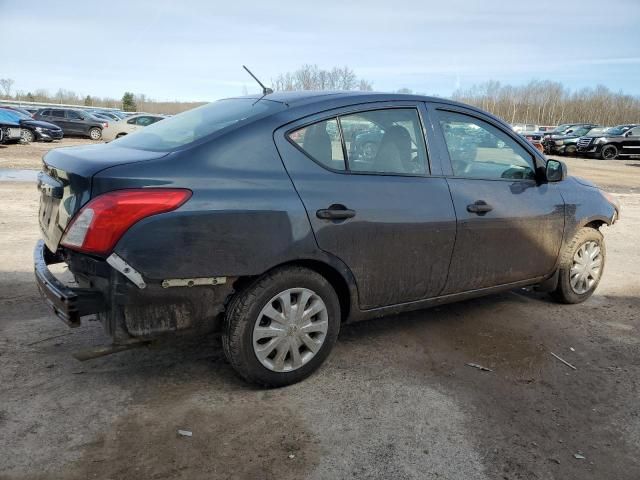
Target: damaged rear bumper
[[69, 304]]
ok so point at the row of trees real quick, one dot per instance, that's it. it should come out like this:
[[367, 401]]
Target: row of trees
[[550, 103], [539, 102], [129, 102]]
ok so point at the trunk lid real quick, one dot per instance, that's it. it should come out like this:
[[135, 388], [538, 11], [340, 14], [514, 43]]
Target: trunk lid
[[65, 182]]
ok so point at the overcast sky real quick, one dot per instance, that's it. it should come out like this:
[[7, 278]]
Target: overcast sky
[[193, 50]]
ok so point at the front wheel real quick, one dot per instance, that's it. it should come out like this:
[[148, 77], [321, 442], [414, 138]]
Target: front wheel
[[570, 150], [28, 136], [609, 152], [282, 327], [581, 266], [95, 133]]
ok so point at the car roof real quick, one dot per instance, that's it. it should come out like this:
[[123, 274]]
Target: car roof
[[315, 100]]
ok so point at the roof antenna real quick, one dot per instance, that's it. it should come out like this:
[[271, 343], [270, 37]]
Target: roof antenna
[[265, 90]]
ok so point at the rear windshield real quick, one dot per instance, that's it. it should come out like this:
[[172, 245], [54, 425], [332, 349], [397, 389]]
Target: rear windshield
[[192, 125]]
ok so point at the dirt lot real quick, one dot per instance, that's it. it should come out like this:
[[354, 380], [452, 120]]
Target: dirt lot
[[395, 400]]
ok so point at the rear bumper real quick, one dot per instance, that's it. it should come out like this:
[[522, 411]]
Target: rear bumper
[[69, 304]]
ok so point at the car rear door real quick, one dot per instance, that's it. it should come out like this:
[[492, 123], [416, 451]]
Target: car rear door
[[388, 215], [510, 226], [58, 118]]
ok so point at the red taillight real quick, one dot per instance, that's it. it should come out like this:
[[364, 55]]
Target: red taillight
[[105, 124], [100, 223]]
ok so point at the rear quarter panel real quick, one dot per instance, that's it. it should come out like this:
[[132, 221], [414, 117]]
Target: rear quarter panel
[[244, 216]]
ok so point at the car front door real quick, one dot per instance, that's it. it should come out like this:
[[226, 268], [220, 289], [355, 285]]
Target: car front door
[[378, 209], [631, 143], [510, 226]]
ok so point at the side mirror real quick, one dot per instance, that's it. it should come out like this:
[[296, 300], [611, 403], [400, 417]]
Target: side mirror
[[555, 171]]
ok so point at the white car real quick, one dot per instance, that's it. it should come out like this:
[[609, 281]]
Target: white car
[[128, 125]]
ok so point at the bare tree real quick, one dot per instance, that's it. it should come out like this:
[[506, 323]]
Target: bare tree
[[310, 77], [6, 84]]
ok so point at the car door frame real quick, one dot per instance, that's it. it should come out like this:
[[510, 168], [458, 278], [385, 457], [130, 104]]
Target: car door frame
[[433, 169], [539, 164]]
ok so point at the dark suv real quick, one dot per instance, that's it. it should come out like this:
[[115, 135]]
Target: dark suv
[[623, 140], [253, 215], [73, 121]]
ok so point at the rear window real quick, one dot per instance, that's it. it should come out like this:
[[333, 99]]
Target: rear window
[[192, 125]]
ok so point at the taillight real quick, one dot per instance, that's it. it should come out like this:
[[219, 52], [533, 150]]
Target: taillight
[[105, 124], [98, 226]]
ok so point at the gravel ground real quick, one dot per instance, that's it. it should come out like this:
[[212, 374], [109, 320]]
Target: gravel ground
[[395, 399]]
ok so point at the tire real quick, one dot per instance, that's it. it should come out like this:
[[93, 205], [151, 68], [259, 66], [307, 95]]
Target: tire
[[95, 133], [28, 136], [247, 328], [609, 152], [571, 150], [580, 245]]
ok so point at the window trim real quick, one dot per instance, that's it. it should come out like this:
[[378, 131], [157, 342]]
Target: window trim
[[478, 116], [354, 111]]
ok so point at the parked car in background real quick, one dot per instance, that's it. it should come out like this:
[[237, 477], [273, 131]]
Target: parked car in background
[[129, 125], [525, 128], [566, 129], [252, 216], [566, 143], [10, 129], [619, 141], [110, 115], [36, 130], [535, 138], [17, 109], [73, 121]]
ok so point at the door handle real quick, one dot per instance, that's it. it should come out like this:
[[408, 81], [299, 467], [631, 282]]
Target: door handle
[[335, 212], [480, 207]]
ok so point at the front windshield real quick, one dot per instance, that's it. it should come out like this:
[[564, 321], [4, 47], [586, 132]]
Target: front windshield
[[617, 130], [197, 123]]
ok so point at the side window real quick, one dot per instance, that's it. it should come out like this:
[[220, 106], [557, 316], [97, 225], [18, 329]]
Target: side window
[[132, 121], [144, 121], [479, 150], [385, 141], [57, 113], [635, 132], [45, 113], [73, 115], [321, 141]]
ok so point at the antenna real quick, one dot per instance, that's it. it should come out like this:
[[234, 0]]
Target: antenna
[[265, 90]]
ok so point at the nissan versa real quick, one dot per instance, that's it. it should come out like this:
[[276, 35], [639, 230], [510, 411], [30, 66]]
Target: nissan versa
[[256, 216]]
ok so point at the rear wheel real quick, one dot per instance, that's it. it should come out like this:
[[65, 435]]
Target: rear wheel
[[570, 150], [609, 152], [581, 266], [281, 328], [95, 133]]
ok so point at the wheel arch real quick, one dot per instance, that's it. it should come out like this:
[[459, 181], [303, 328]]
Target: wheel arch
[[332, 269]]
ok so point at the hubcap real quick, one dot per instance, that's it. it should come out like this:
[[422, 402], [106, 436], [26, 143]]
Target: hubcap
[[586, 268], [95, 134], [290, 330]]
